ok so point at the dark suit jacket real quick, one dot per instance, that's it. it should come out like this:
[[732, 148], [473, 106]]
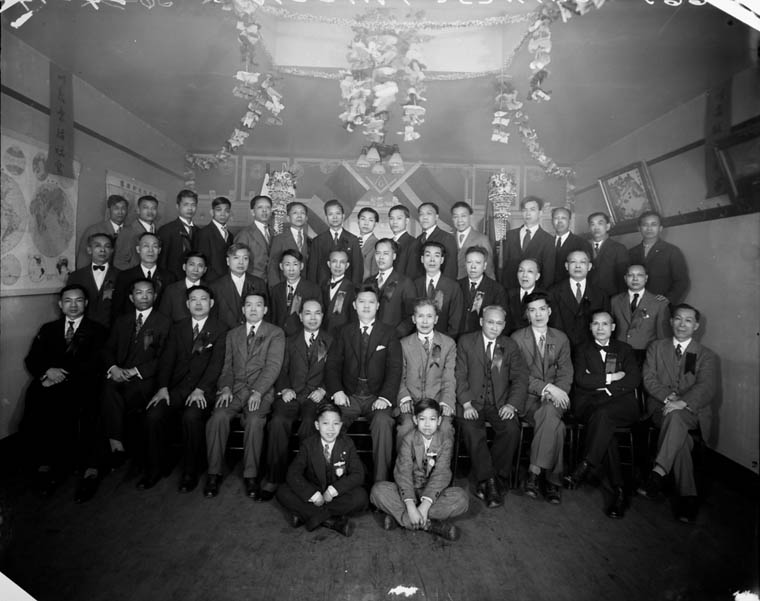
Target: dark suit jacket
[[188, 364], [608, 269], [125, 350], [449, 267], [474, 238], [666, 268], [174, 300], [252, 237], [408, 257], [208, 240], [648, 323], [515, 312], [570, 317], [287, 317], [282, 242], [323, 245], [413, 472], [590, 374], [302, 373], [540, 247], [397, 299], [175, 242], [339, 310], [572, 243], [368, 256], [309, 473], [488, 292], [508, 372], [104, 227], [555, 367], [448, 298], [228, 304], [125, 253], [383, 362], [99, 302], [121, 303]]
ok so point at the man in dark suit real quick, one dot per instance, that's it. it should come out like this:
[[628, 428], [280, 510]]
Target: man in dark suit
[[335, 238], [258, 236], [681, 377], [609, 257], [148, 250], [61, 403], [478, 290], [529, 242], [367, 220], [427, 213], [118, 208], [467, 237], [177, 236], [174, 298], [230, 290], [395, 291], [492, 385], [293, 237], [213, 240], [606, 376], [664, 262], [575, 299], [125, 255], [338, 294], [363, 376], [98, 278], [187, 376], [528, 276], [407, 261], [287, 297], [565, 241], [444, 291], [252, 362]]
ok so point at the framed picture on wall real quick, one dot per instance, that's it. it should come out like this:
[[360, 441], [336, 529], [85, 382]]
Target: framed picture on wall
[[628, 193], [739, 156]]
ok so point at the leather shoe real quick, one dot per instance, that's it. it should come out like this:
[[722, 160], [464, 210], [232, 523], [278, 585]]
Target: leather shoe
[[532, 486], [147, 481], [653, 486], [389, 523], [616, 509], [212, 485], [86, 489], [295, 520], [443, 529], [687, 510], [341, 524], [188, 483], [252, 489], [580, 473], [491, 494], [265, 495], [552, 493]]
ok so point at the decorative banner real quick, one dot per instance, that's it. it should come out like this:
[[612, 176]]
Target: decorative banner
[[61, 140], [38, 237], [717, 125]]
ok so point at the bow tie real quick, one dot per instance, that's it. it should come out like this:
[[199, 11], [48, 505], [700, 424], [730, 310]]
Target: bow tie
[[599, 347], [98, 267], [335, 283]]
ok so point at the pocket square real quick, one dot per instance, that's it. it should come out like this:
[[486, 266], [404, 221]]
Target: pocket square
[[380, 347]]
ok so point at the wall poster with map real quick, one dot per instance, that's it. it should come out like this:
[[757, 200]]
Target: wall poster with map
[[38, 225]]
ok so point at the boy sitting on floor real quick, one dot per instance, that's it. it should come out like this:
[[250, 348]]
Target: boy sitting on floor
[[421, 497]]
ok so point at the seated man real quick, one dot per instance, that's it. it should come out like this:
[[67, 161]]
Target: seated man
[[547, 353], [478, 290], [252, 362], [428, 371], [442, 290], [231, 289], [395, 290], [287, 296], [187, 375], [338, 294], [174, 300], [98, 278], [606, 376], [363, 376], [492, 385], [681, 377]]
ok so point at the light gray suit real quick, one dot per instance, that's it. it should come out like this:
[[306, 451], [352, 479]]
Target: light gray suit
[[474, 238], [368, 255], [252, 237], [649, 322], [125, 253]]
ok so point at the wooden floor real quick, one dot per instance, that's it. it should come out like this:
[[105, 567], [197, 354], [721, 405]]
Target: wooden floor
[[131, 545]]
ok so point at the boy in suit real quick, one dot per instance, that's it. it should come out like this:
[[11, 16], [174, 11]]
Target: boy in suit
[[187, 376], [528, 275], [407, 261], [363, 376], [300, 388], [609, 257], [118, 207], [467, 237], [492, 385], [258, 236], [98, 278], [681, 377], [565, 241], [293, 237], [395, 291], [230, 290], [428, 370], [174, 298], [252, 362], [335, 238], [444, 291], [125, 254], [338, 294], [606, 376], [368, 218], [427, 213], [213, 240], [148, 250], [324, 482], [177, 236], [420, 496], [288, 296], [547, 353], [478, 290]]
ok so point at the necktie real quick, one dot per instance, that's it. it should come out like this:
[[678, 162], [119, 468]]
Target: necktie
[[139, 323], [431, 289], [148, 275], [526, 240], [426, 344], [266, 235], [596, 249], [224, 232], [196, 331], [363, 351], [489, 347], [300, 240], [679, 351], [379, 280], [335, 238], [424, 238], [152, 229], [70, 332], [251, 336], [310, 346], [116, 230], [312, 338], [559, 242], [541, 344], [461, 240], [335, 283], [290, 295], [326, 453], [473, 288], [578, 292], [634, 302]]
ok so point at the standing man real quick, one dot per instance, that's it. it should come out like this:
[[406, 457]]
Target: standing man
[[177, 236], [467, 236], [174, 299], [368, 218], [528, 275], [442, 290], [609, 257], [148, 249], [565, 241], [335, 238], [408, 253], [293, 237], [230, 290], [529, 242], [427, 213], [287, 297], [394, 289], [478, 290], [125, 255], [258, 236], [213, 240], [117, 215], [98, 278], [664, 262]]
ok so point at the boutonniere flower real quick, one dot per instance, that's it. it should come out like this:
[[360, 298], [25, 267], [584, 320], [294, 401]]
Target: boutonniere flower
[[498, 357], [644, 313], [435, 356], [388, 290], [321, 349], [147, 339], [439, 299], [340, 298], [295, 305], [107, 291], [202, 342], [430, 458], [477, 302], [340, 468]]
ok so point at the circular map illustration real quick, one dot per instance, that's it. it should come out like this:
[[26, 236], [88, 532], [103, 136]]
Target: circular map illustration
[[14, 160], [15, 217], [10, 270], [52, 219]]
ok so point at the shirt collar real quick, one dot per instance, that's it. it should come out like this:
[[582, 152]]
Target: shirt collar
[[631, 293], [199, 322], [295, 230], [105, 271], [189, 284], [77, 322], [464, 232], [423, 337], [436, 278], [563, 237], [219, 226], [532, 229], [307, 335], [524, 292], [248, 326], [330, 445], [385, 274], [370, 326], [116, 227], [537, 334], [294, 286], [339, 231], [145, 269], [684, 345], [237, 278], [262, 226], [148, 226], [476, 282], [486, 341], [397, 236], [185, 222], [145, 313], [430, 231], [574, 282]]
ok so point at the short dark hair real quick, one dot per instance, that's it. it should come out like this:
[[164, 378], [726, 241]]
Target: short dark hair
[[236, 246], [402, 208], [205, 289], [73, 287], [461, 205], [391, 241], [294, 204], [428, 204], [146, 198], [194, 254], [644, 267], [221, 200], [565, 209], [91, 238], [648, 214], [427, 403], [424, 302], [476, 249], [187, 194], [259, 293], [598, 214], [579, 250], [339, 250], [534, 296], [258, 197], [599, 311], [371, 211], [144, 234], [312, 300], [367, 288], [334, 202], [539, 201], [323, 408], [142, 281], [114, 199], [291, 252], [434, 244], [674, 309]]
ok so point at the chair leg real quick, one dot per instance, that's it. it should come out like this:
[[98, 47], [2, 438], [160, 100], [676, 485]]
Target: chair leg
[[518, 459]]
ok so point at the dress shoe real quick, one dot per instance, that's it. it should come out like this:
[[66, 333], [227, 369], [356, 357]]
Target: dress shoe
[[117, 459], [616, 509], [652, 487], [503, 484], [188, 483], [532, 489], [212, 485], [252, 488], [445, 530], [552, 493], [295, 520], [687, 510], [148, 481], [341, 524], [389, 523], [580, 473], [265, 495], [86, 489], [489, 492]]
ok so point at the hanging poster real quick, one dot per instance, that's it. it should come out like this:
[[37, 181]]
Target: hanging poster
[[132, 189]]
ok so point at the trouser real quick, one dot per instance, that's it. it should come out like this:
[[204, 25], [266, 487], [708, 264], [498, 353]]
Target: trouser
[[218, 431], [381, 430], [349, 501], [280, 429], [547, 447], [499, 461], [452, 501], [123, 414], [674, 448]]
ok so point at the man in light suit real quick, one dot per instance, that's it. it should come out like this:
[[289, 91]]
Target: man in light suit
[[407, 261], [252, 362], [427, 213], [681, 377], [428, 371], [293, 237], [231, 289], [118, 208], [641, 317], [466, 237], [177, 236], [125, 253], [478, 290], [608, 256], [395, 291], [213, 240], [368, 218], [565, 241], [258, 236], [336, 237], [98, 278]]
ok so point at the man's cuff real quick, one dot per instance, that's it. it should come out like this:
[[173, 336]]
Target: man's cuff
[[314, 497], [543, 390], [331, 489], [384, 400], [138, 374], [404, 400], [427, 499]]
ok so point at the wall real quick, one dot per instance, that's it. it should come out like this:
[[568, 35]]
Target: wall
[[26, 71], [723, 255]]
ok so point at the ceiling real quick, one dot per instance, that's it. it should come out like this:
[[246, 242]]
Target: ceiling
[[613, 70]]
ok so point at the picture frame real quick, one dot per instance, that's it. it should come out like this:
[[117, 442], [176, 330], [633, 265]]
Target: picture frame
[[629, 192], [739, 158]]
